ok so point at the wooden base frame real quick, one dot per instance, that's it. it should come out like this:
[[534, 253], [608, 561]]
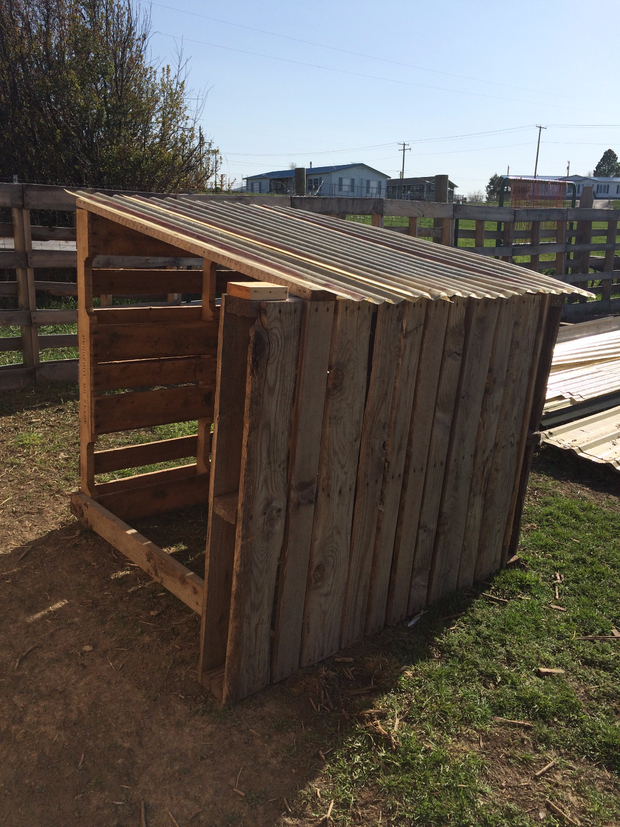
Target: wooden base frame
[[163, 568]]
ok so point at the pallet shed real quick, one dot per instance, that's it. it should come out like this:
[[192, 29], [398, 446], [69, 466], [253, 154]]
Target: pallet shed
[[363, 439]]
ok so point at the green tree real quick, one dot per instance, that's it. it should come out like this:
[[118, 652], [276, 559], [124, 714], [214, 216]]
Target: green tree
[[608, 166], [82, 104], [493, 186]]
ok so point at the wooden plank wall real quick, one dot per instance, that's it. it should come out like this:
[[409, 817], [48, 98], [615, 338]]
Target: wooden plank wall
[[378, 466], [126, 355]]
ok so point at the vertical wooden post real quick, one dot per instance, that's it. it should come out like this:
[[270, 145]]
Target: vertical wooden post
[[263, 494], [413, 226], [446, 225], [208, 313], [86, 321], [26, 296], [584, 236], [376, 220], [560, 258], [232, 366], [612, 231], [535, 241]]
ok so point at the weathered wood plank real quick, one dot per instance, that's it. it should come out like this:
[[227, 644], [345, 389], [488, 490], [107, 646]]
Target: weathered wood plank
[[487, 434], [551, 314], [414, 472], [306, 425], [148, 453], [12, 343], [159, 498], [142, 409], [263, 496], [503, 463], [453, 511], [26, 296], [134, 282], [438, 452], [395, 454], [371, 467], [225, 474], [135, 481], [88, 434], [146, 373], [163, 568], [58, 370], [341, 435], [148, 315], [113, 343], [58, 340]]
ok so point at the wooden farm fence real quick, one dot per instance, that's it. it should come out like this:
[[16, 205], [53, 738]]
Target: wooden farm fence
[[557, 240]]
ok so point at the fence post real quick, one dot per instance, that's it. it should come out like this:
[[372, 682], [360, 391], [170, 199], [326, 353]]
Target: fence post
[[446, 225], [26, 296], [584, 236]]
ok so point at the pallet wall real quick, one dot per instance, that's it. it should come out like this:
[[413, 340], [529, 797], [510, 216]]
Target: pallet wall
[[366, 460]]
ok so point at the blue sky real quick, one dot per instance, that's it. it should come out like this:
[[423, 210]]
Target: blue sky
[[463, 82]]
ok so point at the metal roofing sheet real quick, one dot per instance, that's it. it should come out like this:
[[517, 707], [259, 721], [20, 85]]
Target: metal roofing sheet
[[595, 437], [310, 252]]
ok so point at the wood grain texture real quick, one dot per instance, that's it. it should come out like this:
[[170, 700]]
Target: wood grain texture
[[263, 496], [342, 430], [371, 468], [148, 453], [395, 454], [146, 373], [142, 409], [487, 435], [227, 444], [306, 425], [163, 568], [460, 461], [159, 497], [414, 473], [115, 342], [88, 434], [551, 313], [505, 454], [460, 312]]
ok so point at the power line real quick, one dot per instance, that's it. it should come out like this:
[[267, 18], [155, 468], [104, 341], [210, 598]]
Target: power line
[[380, 146], [349, 52], [358, 74]]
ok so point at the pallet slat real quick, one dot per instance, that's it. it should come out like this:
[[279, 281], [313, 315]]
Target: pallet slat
[[137, 282], [270, 391], [342, 430], [135, 341], [146, 373], [148, 453], [142, 409], [306, 424]]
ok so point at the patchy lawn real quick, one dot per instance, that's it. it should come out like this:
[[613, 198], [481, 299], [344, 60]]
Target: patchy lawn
[[446, 722]]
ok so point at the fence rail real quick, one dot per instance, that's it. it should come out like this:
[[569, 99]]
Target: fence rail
[[579, 246]]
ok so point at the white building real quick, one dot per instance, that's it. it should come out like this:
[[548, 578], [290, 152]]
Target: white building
[[341, 180], [602, 187]]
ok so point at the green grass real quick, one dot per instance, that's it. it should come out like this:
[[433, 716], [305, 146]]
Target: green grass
[[445, 682]]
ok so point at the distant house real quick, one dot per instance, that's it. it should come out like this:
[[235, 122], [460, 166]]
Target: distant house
[[341, 180], [602, 187], [416, 189]]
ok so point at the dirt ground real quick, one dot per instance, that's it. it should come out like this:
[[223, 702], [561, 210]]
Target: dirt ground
[[102, 720]]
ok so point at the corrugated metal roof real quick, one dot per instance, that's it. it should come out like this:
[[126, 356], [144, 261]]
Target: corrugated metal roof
[[312, 253], [596, 437]]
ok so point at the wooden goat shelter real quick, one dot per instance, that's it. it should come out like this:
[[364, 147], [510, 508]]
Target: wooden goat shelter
[[363, 439]]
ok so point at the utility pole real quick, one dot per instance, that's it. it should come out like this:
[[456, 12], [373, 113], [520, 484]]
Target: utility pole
[[540, 129], [508, 171], [568, 169], [405, 148]]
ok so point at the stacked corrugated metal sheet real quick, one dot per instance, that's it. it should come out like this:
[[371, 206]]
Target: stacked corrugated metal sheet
[[583, 391]]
